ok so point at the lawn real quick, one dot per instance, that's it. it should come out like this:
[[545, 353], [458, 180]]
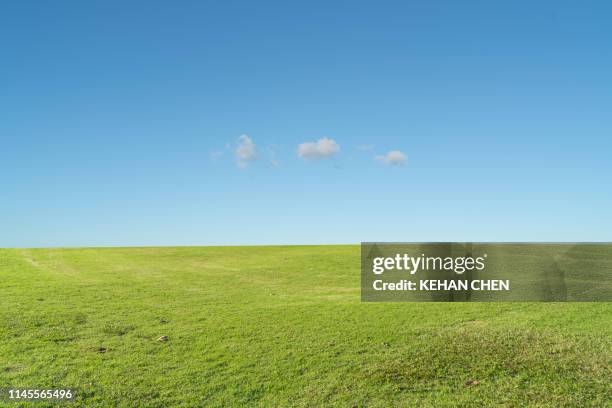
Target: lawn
[[279, 326]]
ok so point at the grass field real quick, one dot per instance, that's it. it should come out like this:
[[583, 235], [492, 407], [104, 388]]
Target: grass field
[[280, 326]]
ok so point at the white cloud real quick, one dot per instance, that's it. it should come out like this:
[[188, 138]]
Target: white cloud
[[321, 149], [394, 158], [245, 151]]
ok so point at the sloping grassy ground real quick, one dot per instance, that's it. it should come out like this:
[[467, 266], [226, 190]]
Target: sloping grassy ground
[[280, 326]]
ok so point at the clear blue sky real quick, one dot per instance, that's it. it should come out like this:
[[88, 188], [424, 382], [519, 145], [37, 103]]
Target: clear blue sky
[[119, 122]]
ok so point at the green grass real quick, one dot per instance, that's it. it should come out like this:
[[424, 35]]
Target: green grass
[[280, 326]]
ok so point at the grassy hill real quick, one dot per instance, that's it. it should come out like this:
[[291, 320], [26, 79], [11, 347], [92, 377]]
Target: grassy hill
[[280, 326]]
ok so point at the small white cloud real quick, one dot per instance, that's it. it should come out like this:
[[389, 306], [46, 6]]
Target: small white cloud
[[245, 151], [275, 163], [321, 149], [394, 158]]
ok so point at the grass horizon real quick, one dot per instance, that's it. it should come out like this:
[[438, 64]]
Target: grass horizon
[[283, 326]]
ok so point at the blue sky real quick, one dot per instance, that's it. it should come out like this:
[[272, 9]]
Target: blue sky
[[120, 122]]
